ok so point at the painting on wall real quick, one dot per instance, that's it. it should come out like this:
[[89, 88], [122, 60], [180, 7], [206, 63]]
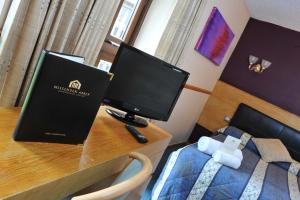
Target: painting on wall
[[215, 39]]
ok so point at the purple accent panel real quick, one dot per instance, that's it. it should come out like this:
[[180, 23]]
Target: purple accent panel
[[280, 84], [215, 38]]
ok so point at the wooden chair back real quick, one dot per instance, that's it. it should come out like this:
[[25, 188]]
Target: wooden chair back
[[121, 187]]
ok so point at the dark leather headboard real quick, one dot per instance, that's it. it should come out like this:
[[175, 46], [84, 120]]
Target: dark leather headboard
[[261, 125]]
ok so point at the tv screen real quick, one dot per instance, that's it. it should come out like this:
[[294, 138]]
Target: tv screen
[[143, 84]]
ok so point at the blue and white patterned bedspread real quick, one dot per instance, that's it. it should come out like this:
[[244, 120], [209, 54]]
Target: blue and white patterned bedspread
[[191, 174]]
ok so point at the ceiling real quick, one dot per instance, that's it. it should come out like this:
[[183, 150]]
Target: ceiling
[[284, 13]]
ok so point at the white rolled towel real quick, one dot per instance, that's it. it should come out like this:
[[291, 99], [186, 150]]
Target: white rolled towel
[[208, 145], [227, 159], [237, 152]]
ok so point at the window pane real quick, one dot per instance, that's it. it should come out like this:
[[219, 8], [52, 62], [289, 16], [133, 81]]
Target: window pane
[[1, 5], [124, 18], [104, 65]]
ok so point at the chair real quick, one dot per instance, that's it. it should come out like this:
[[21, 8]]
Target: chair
[[127, 181]]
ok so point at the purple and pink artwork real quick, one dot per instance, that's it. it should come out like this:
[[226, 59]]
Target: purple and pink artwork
[[215, 38]]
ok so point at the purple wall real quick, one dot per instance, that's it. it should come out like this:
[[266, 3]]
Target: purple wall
[[280, 84]]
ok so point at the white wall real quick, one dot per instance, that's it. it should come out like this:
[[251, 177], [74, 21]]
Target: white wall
[[204, 73], [154, 25]]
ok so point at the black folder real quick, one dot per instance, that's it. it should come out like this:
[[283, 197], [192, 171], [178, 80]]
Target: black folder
[[62, 101]]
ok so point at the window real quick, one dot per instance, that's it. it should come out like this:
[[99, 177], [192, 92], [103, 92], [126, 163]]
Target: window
[[8, 11], [124, 19], [2, 15], [123, 26], [1, 5], [104, 65], [4, 8]]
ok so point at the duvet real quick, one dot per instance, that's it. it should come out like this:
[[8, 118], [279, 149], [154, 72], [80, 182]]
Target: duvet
[[191, 174]]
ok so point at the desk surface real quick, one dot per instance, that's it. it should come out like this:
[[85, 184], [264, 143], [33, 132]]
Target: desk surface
[[26, 166]]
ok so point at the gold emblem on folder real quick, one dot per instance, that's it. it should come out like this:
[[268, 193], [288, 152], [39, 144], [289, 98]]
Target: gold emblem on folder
[[72, 89], [75, 84]]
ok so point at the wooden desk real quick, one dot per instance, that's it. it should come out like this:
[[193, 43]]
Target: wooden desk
[[52, 171]]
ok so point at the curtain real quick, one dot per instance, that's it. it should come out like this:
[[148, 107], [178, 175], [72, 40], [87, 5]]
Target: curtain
[[178, 30], [170, 49], [71, 26]]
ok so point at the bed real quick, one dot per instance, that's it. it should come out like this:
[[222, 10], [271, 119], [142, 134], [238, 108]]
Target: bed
[[191, 174]]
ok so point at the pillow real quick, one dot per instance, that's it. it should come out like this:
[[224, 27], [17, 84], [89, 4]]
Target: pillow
[[272, 150]]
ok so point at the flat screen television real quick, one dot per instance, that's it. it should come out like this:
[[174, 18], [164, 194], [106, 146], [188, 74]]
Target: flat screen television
[[143, 85]]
